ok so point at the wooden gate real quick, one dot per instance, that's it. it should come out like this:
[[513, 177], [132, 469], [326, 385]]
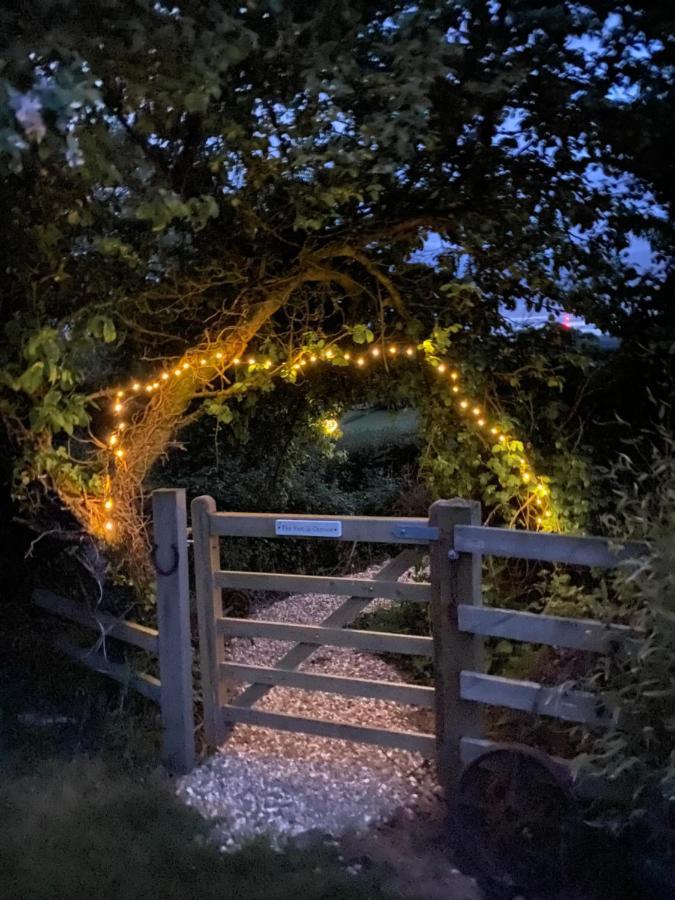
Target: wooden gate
[[455, 541], [454, 576]]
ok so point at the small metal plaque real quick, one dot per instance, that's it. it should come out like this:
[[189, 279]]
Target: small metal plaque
[[308, 528]]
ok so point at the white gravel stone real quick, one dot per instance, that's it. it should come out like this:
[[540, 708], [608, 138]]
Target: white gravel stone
[[283, 785]]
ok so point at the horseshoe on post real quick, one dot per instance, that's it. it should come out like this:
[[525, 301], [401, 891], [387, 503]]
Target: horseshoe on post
[[174, 562]]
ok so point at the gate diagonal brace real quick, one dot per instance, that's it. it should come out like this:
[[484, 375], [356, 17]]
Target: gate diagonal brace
[[343, 615]]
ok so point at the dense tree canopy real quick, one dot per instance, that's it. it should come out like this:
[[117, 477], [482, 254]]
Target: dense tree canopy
[[181, 177]]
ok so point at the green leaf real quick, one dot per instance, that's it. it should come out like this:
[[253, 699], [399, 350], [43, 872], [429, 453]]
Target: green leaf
[[109, 331], [32, 378], [361, 334]]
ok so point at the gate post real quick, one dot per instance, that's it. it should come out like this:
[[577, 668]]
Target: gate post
[[173, 622], [455, 578], [209, 608]]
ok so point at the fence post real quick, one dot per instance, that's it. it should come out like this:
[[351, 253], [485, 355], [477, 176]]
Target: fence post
[[209, 608], [173, 618], [455, 578]]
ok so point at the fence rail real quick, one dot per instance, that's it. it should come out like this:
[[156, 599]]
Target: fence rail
[[383, 737], [369, 529], [413, 592], [545, 547], [413, 694], [108, 626], [539, 628], [374, 641], [170, 642], [560, 702]]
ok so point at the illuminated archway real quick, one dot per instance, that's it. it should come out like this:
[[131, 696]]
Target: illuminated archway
[[202, 367]]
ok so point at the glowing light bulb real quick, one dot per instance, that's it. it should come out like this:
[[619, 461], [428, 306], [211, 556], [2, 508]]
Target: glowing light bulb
[[526, 476], [268, 363], [442, 368], [409, 351], [109, 525], [202, 362], [136, 386], [122, 426], [481, 422], [219, 355], [348, 355], [502, 438], [329, 354], [375, 351], [148, 388], [114, 439], [455, 389], [330, 426], [312, 359], [454, 376], [118, 407], [155, 386], [236, 360], [360, 361], [493, 431], [119, 453], [120, 393], [296, 366], [463, 404], [165, 376], [177, 372], [251, 360], [476, 410], [108, 504], [303, 362], [185, 366], [393, 349]]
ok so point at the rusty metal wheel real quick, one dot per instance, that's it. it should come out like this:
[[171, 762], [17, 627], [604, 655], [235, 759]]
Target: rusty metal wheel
[[516, 818]]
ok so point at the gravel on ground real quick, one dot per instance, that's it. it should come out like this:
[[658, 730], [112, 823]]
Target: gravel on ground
[[284, 784]]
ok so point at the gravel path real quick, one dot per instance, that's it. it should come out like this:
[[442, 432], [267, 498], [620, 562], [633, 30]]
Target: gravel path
[[283, 784]]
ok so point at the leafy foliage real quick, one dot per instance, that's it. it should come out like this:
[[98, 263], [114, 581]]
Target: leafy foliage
[[641, 677], [282, 174]]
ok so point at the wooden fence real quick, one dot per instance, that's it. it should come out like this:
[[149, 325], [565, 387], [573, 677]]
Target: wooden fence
[[170, 641], [455, 543]]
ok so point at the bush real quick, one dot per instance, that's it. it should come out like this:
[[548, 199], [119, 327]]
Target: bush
[[641, 677]]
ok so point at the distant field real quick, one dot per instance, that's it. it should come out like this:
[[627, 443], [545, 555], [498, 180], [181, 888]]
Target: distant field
[[378, 427]]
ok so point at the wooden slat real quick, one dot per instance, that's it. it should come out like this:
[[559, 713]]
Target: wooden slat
[[333, 684], [370, 529], [456, 578], [209, 602], [121, 630], [580, 551], [343, 615], [536, 628], [570, 705], [375, 641], [169, 518], [312, 584], [401, 740], [144, 684]]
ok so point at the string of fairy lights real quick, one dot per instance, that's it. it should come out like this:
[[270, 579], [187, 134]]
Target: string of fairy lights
[[202, 367]]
